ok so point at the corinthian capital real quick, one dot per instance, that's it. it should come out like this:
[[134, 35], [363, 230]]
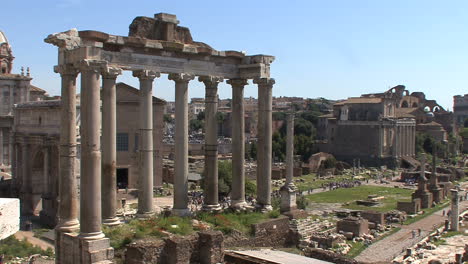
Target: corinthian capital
[[264, 82], [181, 77], [146, 74], [210, 81], [66, 69], [236, 83], [111, 72]]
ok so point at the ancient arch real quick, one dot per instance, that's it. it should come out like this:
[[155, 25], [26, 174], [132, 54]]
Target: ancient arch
[[404, 104]]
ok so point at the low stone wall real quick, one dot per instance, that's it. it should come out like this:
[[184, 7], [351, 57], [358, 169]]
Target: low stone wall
[[374, 217], [270, 233], [412, 207], [354, 225], [203, 247]]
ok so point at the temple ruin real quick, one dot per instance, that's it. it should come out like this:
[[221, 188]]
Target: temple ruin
[[154, 46]]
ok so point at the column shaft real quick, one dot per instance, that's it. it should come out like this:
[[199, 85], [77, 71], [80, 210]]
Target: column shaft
[[145, 197], [238, 143], [68, 193], [455, 211], [264, 143], [211, 142], [1, 145], [290, 149], [109, 152], [181, 143], [90, 180]]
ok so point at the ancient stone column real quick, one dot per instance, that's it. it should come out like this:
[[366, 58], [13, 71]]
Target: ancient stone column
[[238, 143], [68, 193], [145, 193], [1, 146], [181, 143], [90, 180], [288, 191], [454, 223], [109, 145], [264, 148], [211, 143]]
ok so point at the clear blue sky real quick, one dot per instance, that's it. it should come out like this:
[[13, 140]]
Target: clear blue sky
[[332, 49]]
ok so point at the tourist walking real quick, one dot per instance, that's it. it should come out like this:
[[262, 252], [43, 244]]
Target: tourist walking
[[413, 234]]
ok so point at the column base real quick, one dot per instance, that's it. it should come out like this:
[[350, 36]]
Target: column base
[[241, 205], [69, 226], [288, 198], [263, 208], [215, 208], [146, 215], [111, 221], [181, 212], [91, 236]]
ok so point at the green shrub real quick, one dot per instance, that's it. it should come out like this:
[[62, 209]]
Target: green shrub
[[12, 247], [302, 202]]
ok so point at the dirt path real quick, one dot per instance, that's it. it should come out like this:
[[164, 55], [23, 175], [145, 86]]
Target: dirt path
[[20, 235], [390, 247]]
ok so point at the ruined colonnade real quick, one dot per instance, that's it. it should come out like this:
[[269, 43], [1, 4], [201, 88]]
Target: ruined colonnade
[[97, 55]]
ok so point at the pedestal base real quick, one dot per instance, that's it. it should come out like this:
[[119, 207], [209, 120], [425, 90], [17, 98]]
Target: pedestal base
[[73, 249], [288, 199], [111, 221], [146, 215], [214, 208], [241, 206], [264, 208], [437, 194]]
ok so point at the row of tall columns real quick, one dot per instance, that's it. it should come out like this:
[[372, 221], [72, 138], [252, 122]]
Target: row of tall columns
[[181, 80], [109, 144], [405, 141], [238, 144], [211, 202], [264, 146], [68, 193], [145, 189], [90, 164]]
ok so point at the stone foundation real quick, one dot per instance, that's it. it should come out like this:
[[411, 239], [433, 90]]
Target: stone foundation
[[375, 217], [205, 247], [426, 198], [412, 207], [355, 225], [73, 250]]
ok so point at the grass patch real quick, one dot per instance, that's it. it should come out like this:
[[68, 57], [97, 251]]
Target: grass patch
[[155, 227], [356, 249], [12, 247], [312, 181], [427, 212], [227, 222], [40, 231], [343, 195]]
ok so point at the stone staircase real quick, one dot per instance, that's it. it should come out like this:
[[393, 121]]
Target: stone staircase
[[307, 226]]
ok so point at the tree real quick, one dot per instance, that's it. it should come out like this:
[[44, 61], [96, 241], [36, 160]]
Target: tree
[[196, 125], [465, 124], [279, 146], [329, 163], [168, 118], [253, 150], [224, 178], [201, 115]]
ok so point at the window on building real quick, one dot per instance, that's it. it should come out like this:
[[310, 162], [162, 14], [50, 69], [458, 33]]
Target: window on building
[[122, 141]]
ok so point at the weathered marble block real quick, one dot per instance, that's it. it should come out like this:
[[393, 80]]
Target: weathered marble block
[[9, 217]]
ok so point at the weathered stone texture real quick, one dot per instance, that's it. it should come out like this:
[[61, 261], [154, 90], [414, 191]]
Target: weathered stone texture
[[412, 207], [9, 217], [374, 217], [357, 226]]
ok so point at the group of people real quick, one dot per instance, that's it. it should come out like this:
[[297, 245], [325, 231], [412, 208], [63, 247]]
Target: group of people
[[341, 184]]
